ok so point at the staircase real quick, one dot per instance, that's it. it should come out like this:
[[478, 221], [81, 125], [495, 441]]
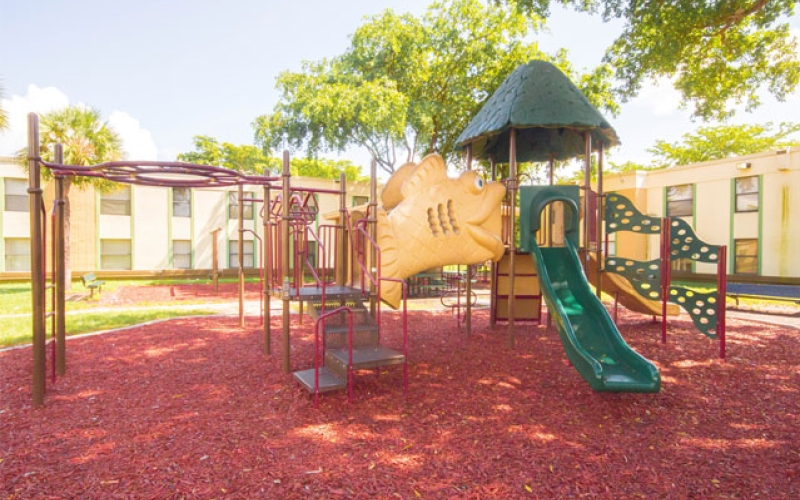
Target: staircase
[[335, 368]]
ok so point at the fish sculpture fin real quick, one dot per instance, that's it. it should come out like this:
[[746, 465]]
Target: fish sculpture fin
[[392, 194], [430, 171], [391, 292]]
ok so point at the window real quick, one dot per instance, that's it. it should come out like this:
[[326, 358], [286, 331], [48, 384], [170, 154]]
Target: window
[[115, 254], [360, 200], [117, 202], [181, 202], [747, 194], [745, 256], [181, 254], [16, 195], [233, 206], [233, 253], [18, 254], [680, 200], [684, 265]]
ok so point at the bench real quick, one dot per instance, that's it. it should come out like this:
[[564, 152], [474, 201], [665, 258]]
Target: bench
[[91, 282], [788, 293]]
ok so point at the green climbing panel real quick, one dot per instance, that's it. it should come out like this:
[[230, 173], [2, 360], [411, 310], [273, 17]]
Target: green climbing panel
[[701, 306], [643, 276], [622, 215]]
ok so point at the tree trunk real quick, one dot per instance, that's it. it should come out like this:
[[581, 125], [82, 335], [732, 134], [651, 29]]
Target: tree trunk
[[67, 246]]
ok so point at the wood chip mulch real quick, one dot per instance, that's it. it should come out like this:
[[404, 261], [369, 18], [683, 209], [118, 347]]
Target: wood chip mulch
[[194, 409]]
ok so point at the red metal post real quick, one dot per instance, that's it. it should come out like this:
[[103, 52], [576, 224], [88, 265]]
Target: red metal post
[[666, 274], [37, 271], [722, 291]]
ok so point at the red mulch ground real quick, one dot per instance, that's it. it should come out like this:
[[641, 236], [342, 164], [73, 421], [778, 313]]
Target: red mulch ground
[[129, 295], [194, 409]]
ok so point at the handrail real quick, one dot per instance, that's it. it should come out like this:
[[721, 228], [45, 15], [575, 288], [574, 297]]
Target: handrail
[[320, 321]]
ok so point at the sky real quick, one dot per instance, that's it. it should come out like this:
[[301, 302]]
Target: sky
[[163, 71]]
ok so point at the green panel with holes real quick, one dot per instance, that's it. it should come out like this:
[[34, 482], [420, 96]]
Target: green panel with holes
[[701, 306], [622, 215], [684, 243], [643, 276]]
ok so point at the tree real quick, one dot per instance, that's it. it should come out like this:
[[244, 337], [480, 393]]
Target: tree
[[3, 114], [719, 53], [722, 141], [251, 159], [87, 140], [408, 86]]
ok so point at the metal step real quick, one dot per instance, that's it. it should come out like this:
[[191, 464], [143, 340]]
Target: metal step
[[328, 380], [363, 358]]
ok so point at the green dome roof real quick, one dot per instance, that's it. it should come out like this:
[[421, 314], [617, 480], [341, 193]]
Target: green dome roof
[[549, 112]]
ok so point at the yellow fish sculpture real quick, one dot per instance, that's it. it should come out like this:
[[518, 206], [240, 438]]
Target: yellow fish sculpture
[[428, 219]]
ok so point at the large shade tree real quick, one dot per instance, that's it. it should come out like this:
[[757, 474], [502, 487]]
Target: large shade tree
[[723, 141], [251, 159], [407, 86], [87, 140], [717, 53]]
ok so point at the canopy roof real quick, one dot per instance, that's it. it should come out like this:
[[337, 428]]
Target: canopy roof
[[549, 112]]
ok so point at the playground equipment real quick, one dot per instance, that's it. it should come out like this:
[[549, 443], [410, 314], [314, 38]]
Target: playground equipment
[[590, 338], [428, 219]]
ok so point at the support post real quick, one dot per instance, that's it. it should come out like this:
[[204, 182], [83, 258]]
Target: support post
[[267, 266], [599, 226], [340, 262], [37, 264], [722, 292], [285, 292], [373, 233], [468, 319], [493, 268], [241, 255], [587, 185], [512, 243], [59, 267], [215, 259], [666, 273]]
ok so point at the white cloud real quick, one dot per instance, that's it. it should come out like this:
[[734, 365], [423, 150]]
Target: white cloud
[[659, 97], [37, 100], [137, 142]]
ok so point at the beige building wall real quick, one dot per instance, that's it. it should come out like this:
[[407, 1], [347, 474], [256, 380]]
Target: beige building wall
[[715, 218], [152, 228]]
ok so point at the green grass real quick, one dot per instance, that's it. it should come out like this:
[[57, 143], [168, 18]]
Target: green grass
[[17, 330]]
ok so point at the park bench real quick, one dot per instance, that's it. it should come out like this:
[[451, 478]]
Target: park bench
[[91, 282], [788, 293]]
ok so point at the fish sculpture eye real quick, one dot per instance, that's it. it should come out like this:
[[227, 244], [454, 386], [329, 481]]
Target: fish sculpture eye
[[479, 182]]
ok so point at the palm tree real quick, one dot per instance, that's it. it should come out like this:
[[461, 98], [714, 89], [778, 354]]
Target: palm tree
[[87, 140], [3, 114]]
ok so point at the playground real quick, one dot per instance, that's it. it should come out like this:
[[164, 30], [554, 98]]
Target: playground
[[190, 408], [316, 390]]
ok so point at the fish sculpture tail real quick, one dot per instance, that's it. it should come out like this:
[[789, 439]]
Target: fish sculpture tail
[[391, 291]]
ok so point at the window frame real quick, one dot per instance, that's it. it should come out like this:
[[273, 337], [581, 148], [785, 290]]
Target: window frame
[[753, 257], [175, 254], [233, 254], [177, 202], [25, 257], [111, 199], [749, 194], [233, 205], [105, 255], [682, 201], [19, 202]]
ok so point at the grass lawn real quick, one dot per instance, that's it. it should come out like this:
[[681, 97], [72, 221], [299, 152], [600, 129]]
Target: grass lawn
[[15, 319]]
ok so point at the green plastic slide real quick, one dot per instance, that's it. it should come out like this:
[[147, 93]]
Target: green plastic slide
[[591, 339]]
